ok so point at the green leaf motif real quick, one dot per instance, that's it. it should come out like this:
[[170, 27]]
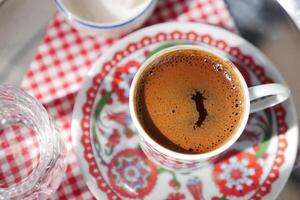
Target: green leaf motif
[[98, 109], [268, 130], [100, 105], [174, 177], [223, 198], [185, 173], [164, 46], [109, 152], [161, 170]]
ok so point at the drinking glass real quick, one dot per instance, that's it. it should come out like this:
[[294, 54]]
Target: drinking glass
[[32, 152]]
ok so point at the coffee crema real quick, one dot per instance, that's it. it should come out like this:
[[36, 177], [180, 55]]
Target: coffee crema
[[189, 101]]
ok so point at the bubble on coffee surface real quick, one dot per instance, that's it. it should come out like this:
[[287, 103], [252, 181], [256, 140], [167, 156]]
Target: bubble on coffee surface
[[218, 67], [170, 115]]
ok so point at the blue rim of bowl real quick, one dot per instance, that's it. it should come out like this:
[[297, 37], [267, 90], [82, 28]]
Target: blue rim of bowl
[[75, 18]]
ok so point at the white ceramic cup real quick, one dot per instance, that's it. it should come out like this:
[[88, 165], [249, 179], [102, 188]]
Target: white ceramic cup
[[256, 98]]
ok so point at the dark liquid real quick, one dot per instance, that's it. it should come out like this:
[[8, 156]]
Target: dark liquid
[[190, 101]]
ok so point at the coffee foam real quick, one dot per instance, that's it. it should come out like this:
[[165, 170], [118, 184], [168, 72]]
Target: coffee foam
[[166, 108]]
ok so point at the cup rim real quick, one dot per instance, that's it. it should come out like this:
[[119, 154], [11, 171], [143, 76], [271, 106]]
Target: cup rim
[[182, 156], [73, 17]]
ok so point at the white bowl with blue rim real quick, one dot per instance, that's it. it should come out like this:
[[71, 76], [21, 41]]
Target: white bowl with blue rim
[[106, 17]]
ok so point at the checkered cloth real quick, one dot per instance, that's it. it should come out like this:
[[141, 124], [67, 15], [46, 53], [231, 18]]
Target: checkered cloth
[[21, 154], [64, 57]]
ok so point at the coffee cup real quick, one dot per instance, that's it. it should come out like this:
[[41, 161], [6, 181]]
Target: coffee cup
[[189, 104]]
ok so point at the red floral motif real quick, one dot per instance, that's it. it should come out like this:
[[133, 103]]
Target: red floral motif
[[118, 56], [119, 117], [221, 44], [195, 186], [234, 51], [161, 36], [176, 196], [128, 133], [265, 156], [206, 39], [176, 35], [132, 47], [131, 174], [173, 183], [104, 92], [146, 53], [114, 139], [192, 36], [123, 77], [146, 41], [237, 173]]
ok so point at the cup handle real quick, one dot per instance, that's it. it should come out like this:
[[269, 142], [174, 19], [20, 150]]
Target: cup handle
[[267, 95]]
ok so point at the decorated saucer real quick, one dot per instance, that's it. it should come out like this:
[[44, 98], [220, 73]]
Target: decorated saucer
[[257, 166]]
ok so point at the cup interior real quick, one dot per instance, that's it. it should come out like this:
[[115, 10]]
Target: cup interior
[[185, 156]]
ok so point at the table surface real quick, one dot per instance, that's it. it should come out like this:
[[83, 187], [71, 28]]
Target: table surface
[[21, 32]]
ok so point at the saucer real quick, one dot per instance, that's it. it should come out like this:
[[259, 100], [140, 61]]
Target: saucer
[[257, 166]]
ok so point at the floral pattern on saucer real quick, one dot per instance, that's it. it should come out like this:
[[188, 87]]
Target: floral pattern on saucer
[[237, 173], [130, 169], [120, 169], [123, 77]]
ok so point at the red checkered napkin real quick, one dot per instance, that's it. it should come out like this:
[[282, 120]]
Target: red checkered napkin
[[21, 154], [64, 57]]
